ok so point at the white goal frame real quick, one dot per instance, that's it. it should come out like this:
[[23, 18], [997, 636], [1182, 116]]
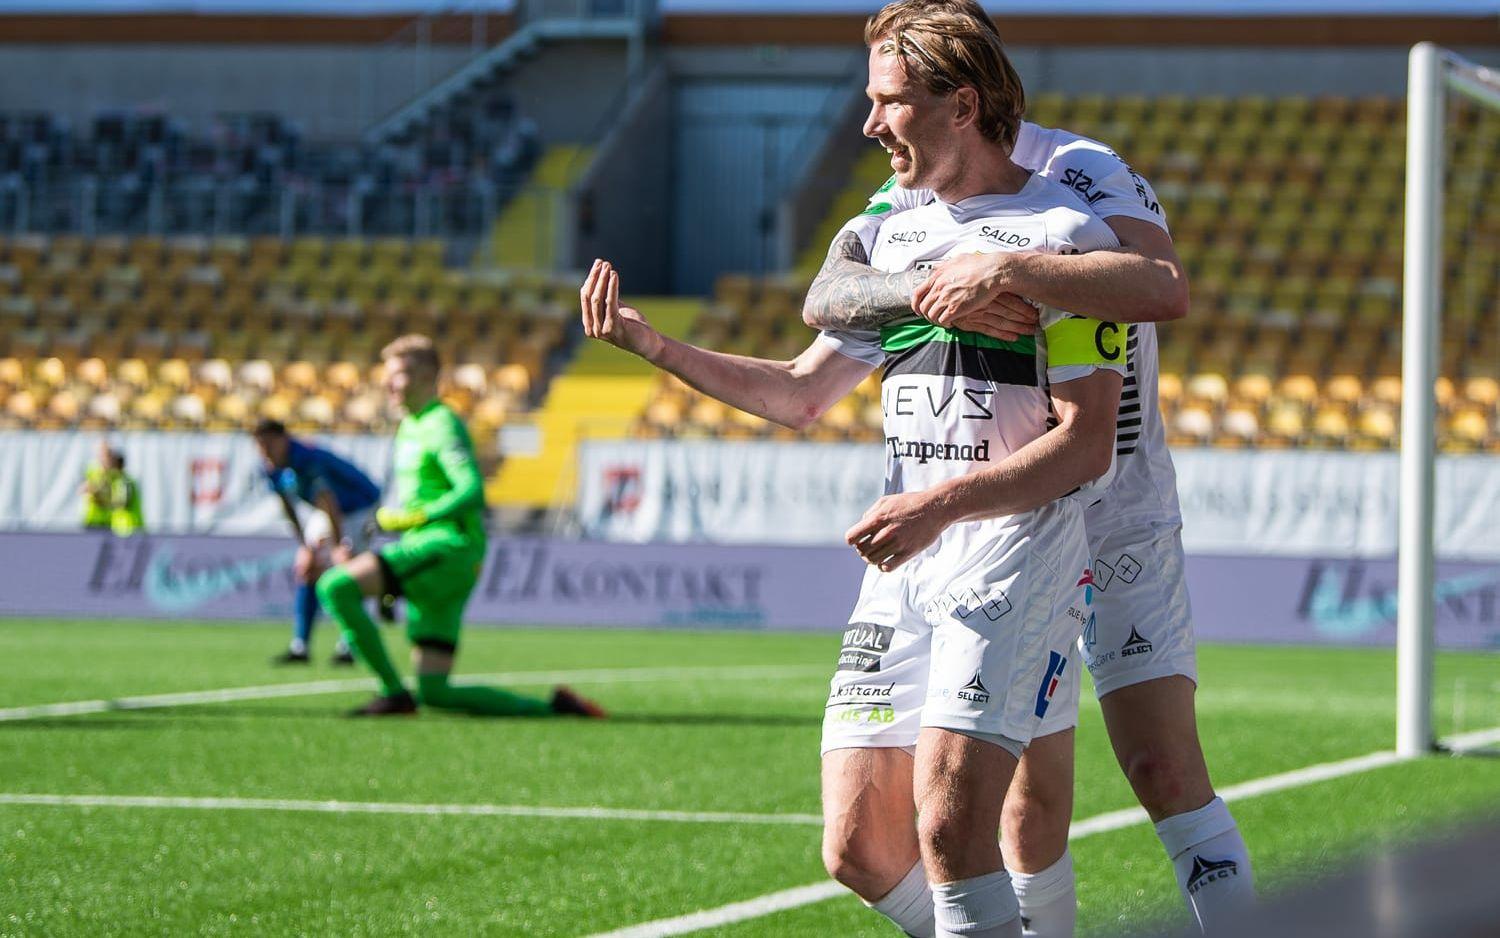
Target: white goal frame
[[1432, 73]]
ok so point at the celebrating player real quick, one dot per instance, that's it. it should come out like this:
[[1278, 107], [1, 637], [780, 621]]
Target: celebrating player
[[435, 564], [344, 501], [959, 647], [1139, 645]]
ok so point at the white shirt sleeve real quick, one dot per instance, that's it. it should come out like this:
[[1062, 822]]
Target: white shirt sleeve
[[1107, 184], [858, 344]]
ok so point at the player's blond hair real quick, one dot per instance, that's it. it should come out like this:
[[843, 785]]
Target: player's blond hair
[[418, 350], [949, 44]]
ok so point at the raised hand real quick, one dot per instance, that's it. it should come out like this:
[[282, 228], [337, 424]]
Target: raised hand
[[605, 319]]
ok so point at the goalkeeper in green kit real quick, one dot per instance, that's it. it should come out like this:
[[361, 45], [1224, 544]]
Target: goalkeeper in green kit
[[435, 565]]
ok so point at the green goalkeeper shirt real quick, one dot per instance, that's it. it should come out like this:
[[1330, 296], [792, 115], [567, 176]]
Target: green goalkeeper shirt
[[438, 473]]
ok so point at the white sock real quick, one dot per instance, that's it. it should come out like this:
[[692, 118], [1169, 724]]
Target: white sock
[[909, 904], [297, 647], [1049, 901], [982, 907], [1212, 864]]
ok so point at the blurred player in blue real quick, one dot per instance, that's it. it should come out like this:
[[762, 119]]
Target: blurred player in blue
[[343, 499]]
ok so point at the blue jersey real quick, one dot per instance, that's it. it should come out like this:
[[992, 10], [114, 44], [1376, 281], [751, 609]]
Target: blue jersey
[[310, 471]]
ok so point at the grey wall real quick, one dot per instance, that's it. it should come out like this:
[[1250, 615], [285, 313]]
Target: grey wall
[[328, 89], [625, 202], [571, 88]]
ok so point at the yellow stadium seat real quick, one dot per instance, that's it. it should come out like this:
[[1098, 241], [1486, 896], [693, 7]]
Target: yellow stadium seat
[[1240, 427], [1208, 387], [93, 372], [1468, 429], [1194, 424], [1483, 390], [1344, 388], [104, 406], [1284, 421]]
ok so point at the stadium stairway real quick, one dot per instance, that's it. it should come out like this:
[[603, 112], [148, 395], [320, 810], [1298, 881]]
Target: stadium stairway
[[525, 235], [865, 176], [600, 396]]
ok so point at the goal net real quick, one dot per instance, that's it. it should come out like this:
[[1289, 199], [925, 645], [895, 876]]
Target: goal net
[[1448, 593]]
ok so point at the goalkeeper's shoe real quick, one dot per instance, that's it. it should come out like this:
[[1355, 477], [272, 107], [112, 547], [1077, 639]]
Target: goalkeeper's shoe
[[291, 657], [566, 702], [387, 706]]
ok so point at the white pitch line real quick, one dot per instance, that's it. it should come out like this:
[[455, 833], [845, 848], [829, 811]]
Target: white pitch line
[[311, 688], [1468, 742], [398, 807], [1098, 824], [732, 913]]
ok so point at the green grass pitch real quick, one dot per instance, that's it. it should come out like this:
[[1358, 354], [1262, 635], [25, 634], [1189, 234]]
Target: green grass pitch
[[697, 737]]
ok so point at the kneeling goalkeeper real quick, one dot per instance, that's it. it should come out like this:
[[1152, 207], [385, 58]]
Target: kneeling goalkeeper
[[435, 565]]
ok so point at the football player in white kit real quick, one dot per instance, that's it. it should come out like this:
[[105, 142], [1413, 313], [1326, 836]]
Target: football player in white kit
[[1138, 643], [961, 644]]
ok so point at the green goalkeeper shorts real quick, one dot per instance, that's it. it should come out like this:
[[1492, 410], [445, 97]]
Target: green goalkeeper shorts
[[434, 569]]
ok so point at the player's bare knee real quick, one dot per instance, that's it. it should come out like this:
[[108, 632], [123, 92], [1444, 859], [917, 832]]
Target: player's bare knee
[[1034, 826], [944, 830], [857, 862], [1164, 780]]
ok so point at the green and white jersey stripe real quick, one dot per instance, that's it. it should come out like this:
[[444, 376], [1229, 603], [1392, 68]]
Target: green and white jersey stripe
[[1144, 489], [957, 401]]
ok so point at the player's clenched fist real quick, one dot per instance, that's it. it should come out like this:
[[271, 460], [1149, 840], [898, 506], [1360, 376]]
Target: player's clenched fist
[[604, 318]]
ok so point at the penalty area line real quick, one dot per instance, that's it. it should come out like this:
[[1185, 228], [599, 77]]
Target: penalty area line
[[1098, 824], [398, 807], [313, 688]]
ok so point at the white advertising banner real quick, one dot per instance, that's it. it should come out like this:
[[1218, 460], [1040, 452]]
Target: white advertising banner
[[730, 493], [208, 483], [1272, 502]]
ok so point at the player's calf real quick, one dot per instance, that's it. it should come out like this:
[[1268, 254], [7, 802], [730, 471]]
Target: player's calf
[[961, 784], [1034, 837], [870, 836]]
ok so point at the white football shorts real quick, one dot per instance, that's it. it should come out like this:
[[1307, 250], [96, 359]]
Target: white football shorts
[[976, 635], [1143, 622]]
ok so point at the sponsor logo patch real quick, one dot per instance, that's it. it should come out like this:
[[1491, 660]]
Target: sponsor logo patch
[[1055, 665], [864, 644]]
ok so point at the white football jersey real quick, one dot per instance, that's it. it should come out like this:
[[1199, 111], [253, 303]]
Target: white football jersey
[[1144, 489], [956, 401]]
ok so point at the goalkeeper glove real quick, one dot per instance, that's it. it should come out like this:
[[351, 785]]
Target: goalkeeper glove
[[400, 519]]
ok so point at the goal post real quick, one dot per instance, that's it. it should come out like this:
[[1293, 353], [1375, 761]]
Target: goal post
[[1432, 73]]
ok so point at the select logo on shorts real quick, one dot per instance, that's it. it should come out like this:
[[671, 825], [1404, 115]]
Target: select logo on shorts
[[974, 691], [1055, 665], [1136, 644], [864, 644]]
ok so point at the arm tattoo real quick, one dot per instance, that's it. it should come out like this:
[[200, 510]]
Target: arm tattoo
[[849, 294]]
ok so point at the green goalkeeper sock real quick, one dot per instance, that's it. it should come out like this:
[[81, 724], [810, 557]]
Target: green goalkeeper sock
[[345, 604], [434, 690]]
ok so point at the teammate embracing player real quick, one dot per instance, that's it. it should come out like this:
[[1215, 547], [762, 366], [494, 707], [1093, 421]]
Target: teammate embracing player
[[1138, 644], [958, 671]]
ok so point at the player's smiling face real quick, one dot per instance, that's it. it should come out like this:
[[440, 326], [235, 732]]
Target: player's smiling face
[[913, 124]]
